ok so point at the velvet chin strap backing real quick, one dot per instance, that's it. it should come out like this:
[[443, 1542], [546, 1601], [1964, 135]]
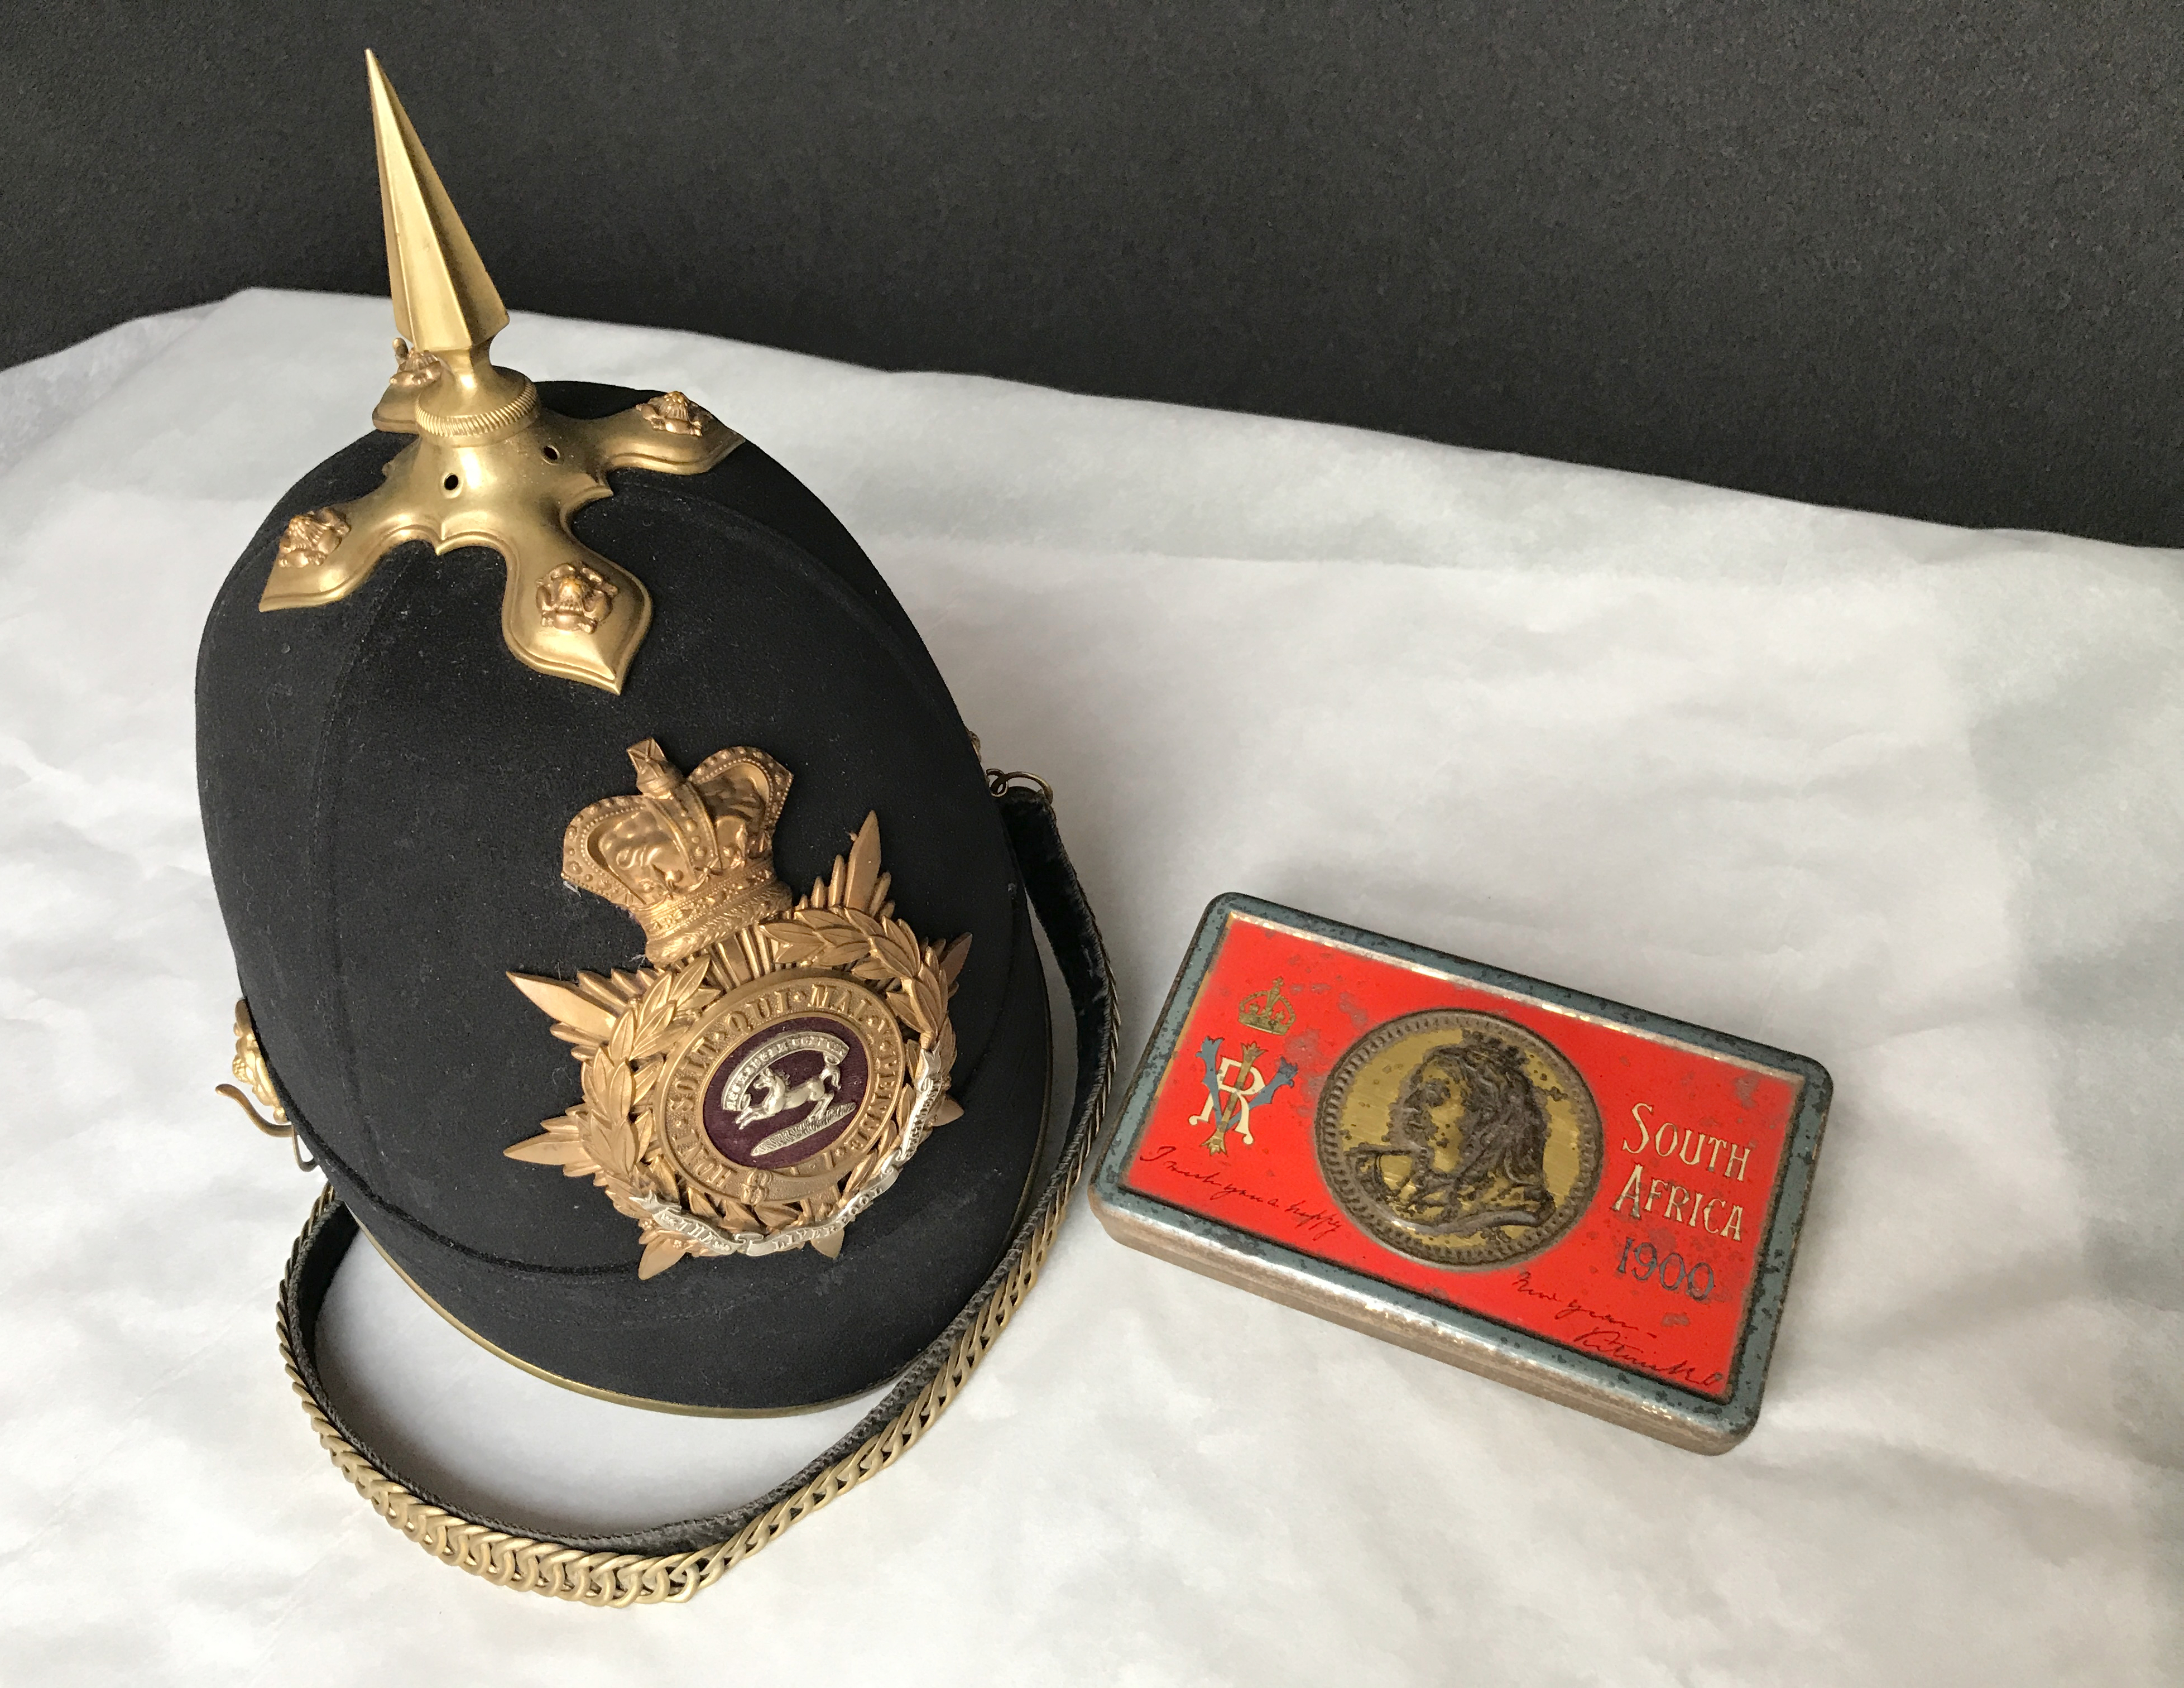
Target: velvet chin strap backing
[[673, 1560]]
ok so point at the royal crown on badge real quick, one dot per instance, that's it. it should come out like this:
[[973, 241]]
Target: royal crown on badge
[[767, 1078]]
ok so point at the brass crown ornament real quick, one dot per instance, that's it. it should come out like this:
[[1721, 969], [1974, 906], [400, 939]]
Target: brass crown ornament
[[691, 859], [767, 1078], [490, 465]]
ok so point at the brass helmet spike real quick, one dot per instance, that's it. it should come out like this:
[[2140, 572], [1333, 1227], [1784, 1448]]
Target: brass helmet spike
[[491, 467], [446, 307], [444, 299]]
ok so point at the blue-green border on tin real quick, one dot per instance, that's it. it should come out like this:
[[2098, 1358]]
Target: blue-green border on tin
[[1729, 1418]]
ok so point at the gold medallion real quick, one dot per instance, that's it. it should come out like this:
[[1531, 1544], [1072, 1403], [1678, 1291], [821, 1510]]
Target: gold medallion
[[1459, 1137], [765, 1080]]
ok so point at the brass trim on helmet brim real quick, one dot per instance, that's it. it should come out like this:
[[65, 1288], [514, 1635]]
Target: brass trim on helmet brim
[[679, 1408]]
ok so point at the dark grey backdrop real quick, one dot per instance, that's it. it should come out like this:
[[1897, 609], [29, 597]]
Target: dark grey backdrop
[[1900, 256]]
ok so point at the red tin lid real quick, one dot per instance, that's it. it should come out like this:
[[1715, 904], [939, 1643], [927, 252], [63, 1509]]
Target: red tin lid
[[1592, 1202]]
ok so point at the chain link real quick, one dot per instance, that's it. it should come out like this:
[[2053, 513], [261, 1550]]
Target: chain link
[[619, 1579]]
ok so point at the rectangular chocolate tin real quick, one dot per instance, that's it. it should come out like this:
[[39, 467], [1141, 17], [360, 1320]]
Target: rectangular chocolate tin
[[1594, 1203]]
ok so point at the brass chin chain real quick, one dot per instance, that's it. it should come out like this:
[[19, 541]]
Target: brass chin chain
[[617, 1579]]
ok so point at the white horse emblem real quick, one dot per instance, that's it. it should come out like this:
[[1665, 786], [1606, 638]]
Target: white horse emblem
[[760, 1070]]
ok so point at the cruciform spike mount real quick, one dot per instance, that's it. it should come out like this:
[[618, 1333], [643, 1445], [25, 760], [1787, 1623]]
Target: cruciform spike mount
[[490, 465]]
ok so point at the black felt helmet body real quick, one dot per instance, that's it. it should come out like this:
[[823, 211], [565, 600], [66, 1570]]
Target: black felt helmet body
[[511, 609]]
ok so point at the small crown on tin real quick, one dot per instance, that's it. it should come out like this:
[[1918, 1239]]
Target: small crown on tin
[[1268, 1011], [691, 857]]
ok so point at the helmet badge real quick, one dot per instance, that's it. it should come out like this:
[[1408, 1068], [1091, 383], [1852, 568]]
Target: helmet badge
[[766, 1079]]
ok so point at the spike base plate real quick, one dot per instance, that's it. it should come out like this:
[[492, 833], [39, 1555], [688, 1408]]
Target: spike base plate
[[565, 609]]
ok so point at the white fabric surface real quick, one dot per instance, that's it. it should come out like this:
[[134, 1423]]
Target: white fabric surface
[[1904, 798]]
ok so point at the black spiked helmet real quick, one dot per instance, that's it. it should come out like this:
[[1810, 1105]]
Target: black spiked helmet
[[565, 698]]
